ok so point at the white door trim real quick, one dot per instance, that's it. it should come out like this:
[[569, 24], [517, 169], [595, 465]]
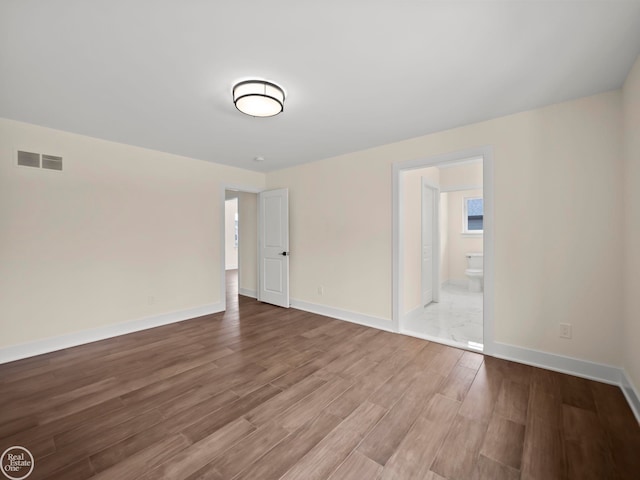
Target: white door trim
[[435, 240], [486, 153], [222, 236]]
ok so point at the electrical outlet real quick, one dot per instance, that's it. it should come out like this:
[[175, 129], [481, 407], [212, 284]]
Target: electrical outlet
[[565, 330], [320, 290]]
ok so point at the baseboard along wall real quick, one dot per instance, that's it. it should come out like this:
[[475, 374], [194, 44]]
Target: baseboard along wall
[[550, 361], [47, 345], [535, 358], [247, 292]]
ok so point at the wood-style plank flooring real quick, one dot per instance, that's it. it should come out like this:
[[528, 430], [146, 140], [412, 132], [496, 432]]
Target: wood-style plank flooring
[[261, 392]]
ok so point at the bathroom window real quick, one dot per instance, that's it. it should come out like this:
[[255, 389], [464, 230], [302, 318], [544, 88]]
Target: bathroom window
[[473, 215]]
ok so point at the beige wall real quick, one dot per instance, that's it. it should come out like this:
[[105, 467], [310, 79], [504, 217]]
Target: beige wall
[[125, 233], [549, 162], [231, 251], [88, 247], [248, 237], [340, 231], [412, 188], [466, 174], [631, 331], [458, 244]]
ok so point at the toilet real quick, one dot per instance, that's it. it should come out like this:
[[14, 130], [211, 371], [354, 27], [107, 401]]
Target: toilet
[[475, 272]]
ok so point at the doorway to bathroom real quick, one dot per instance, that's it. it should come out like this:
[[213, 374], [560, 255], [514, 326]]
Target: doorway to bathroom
[[443, 275]]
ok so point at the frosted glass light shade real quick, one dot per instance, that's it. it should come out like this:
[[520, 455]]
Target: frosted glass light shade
[[258, 98]]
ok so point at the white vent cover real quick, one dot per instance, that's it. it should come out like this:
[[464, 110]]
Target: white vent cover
[[28, 159], [32, 159]]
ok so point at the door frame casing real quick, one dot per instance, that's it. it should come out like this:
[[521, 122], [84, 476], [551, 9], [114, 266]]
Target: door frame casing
[[460, 156], [435, 274]]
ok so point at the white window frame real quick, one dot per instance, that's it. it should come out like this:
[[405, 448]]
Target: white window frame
[[465, 217]]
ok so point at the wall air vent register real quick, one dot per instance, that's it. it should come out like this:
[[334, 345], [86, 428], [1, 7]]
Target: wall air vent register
[[37, 160]]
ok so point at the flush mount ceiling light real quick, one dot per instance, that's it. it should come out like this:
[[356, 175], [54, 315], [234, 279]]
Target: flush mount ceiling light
[[258, 98]]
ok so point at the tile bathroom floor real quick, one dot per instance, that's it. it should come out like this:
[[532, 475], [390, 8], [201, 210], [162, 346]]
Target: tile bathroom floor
[[456, 317]]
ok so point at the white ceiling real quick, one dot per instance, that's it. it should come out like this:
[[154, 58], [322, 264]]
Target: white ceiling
[[158, 73]]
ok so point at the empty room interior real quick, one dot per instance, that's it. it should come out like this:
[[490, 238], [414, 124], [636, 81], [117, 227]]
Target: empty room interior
[[340, 240]]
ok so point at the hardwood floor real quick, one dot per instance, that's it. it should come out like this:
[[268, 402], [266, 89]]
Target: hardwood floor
[[261, 392]]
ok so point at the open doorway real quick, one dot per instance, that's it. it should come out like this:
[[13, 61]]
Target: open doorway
[[452, 252], [231, 231], [442, 235], [240, 246]]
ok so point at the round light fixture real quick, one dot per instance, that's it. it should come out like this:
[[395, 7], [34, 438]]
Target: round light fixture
[[258, 98]]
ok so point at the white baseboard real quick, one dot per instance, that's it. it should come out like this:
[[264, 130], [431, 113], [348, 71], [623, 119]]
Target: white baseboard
[[247, 292], [558, 363], [549, 361], [353, 317], [46, 345], [572, 366], [444, 341], [630, 393], [414, 314]]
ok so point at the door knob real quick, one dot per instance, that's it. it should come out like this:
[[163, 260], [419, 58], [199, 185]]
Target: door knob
[[284, 254]]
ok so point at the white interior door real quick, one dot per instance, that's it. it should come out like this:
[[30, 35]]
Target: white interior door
[[273, 247], [430, 250]]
